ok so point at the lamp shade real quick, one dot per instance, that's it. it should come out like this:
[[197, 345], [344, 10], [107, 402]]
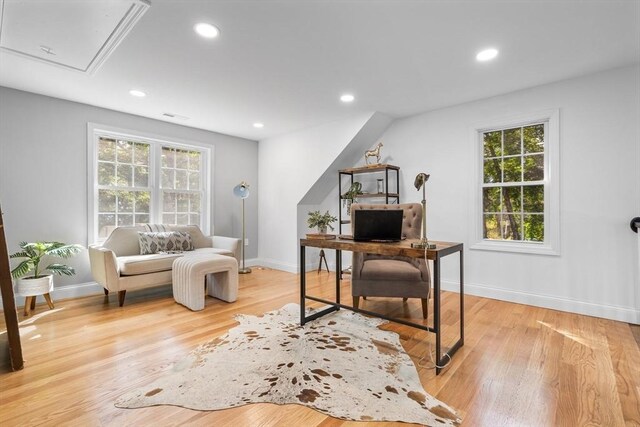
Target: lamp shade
[[421, 178], [241, 190]]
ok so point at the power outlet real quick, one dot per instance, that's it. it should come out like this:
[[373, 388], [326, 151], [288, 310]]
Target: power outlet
[[246, 242]]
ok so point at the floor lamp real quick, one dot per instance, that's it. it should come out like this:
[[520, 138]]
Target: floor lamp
[[242, 190]]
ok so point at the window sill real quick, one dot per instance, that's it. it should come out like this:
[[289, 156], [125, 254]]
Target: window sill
[[515, 247]]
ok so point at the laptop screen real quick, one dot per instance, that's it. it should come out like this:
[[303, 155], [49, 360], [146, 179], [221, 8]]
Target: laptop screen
[[377, 224]]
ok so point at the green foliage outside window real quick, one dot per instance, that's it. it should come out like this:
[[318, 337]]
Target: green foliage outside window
[[513, 184], [124, 196]]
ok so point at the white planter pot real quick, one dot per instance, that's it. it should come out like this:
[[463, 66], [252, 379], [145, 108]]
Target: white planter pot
[[28, 286]]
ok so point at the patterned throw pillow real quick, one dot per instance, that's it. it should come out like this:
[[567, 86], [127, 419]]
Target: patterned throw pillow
[[165, 241]]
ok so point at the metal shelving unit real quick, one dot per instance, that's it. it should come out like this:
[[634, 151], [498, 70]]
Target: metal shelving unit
[[385, 197]]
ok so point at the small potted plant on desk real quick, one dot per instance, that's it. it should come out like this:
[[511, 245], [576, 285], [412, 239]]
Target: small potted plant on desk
[[40, 283], [321, 221]]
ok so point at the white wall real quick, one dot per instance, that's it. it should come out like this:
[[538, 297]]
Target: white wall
[[43, 171], [597, 271], [289, 166]]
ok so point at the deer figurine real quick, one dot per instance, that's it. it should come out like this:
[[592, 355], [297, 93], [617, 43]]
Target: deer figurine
[[373, 153]]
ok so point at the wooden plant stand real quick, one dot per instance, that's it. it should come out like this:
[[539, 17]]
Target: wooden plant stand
[[30, 303]]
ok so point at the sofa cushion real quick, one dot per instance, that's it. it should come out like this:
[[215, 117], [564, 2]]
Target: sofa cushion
[[143, 264], [199, 239], [133, 265], [124, 241], [164, 241]]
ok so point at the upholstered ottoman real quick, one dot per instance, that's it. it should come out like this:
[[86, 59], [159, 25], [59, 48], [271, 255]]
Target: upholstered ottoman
[[192, 273]]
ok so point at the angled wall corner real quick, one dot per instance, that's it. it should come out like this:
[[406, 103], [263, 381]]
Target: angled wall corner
[[323, 194], [300, 169], [350, 155]]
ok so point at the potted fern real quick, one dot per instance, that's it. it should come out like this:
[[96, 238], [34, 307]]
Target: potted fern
[[321, 221], [41, 282]]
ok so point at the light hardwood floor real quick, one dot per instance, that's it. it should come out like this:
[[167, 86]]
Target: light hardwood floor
[[520, 366]]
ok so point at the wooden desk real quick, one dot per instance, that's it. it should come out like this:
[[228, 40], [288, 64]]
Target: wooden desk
[[401, 248]]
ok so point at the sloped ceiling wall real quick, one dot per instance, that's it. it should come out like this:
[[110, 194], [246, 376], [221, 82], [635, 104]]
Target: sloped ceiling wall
[[352, 152], [301, 169]]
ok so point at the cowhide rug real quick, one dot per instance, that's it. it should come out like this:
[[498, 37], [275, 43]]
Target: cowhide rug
[[341, 365]]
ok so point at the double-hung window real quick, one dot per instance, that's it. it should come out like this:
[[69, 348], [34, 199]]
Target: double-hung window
[[136, 179], [181, 186], [517, 207]]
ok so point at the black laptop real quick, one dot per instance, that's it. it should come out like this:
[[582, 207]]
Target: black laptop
[[377, 225]]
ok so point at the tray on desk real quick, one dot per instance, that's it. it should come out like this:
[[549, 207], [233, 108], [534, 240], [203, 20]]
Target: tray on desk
[[320, 236]]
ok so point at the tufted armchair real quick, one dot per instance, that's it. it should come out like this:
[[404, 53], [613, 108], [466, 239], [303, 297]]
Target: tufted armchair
[[391, 276]]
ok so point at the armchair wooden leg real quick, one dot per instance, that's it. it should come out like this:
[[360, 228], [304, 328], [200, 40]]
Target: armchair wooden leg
[[106, 291], [121, 295], [356, 301], [425, 307]]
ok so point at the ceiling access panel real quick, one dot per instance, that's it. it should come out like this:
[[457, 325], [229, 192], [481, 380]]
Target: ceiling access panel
[[76, 35]]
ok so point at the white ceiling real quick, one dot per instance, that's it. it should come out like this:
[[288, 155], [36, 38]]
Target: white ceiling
[[285, 63], [84, 33]]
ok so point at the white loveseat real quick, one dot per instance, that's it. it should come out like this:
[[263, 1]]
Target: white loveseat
[[118, 266]]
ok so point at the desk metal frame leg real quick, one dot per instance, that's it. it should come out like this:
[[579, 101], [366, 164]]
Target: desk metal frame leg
[[436, 311], [338, 271], [441, 359], [303, 284], [303, 291], [461, 299]]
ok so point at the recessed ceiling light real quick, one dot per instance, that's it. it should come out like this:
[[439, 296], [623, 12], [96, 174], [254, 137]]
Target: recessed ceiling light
[[258, 125], [207, 31], [347, 97], [138, 93], [487, 54]]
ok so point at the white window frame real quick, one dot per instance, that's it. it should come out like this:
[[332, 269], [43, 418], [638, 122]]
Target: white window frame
[[95, 131], [551, 244]]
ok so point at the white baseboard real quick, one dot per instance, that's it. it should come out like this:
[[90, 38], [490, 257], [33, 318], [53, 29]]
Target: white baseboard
[[622, 314], [279, 265], [252, 262], [66, 292]]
